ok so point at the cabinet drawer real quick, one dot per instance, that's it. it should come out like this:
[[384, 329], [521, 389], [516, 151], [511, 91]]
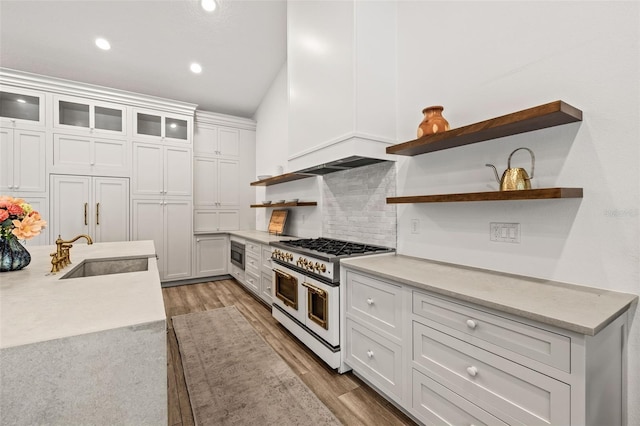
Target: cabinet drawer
[[252, 281], [266, 258], [519, 394], [376, 358], [375, 302], [252, 264], [435, 404], [253, 248], [237, 273], [487, 329]]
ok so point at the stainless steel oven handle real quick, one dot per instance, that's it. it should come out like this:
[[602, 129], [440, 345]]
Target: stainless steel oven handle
[[278, 271]]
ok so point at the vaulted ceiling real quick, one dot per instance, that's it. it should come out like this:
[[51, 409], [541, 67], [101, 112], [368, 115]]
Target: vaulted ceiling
[[241, 47]]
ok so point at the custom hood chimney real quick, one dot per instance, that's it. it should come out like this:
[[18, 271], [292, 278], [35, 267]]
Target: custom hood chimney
[[342, 84]]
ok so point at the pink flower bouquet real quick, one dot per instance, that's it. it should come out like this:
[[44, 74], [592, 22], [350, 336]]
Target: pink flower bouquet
[[18, 219]]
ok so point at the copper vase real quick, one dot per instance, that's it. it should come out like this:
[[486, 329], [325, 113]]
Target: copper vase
[[433, 121]]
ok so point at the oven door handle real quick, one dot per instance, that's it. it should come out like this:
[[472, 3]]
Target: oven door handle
[[316, 290], [284, 274]]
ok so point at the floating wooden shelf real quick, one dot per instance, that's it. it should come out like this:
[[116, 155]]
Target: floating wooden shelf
[[298, 204], [539, 117], [527, 194], [287, 177]]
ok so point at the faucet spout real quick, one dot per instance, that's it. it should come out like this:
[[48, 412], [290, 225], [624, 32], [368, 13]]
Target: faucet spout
[[495, 171], [88, 238]]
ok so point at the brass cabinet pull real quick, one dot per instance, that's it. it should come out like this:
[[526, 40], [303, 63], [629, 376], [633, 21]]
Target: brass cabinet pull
[[86, 205], [97, 213]]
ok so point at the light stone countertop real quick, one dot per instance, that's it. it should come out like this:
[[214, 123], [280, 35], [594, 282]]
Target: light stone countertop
[[584, 310], [37, 306], [261, 236]]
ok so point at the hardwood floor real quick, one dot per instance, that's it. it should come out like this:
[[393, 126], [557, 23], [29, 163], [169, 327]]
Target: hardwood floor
[[352, 401]]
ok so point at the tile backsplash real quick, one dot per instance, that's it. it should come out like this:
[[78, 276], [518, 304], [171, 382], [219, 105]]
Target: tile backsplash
[[354, 204]]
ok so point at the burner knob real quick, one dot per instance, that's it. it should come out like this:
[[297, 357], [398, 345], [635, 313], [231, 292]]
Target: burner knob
[[323, 268], [289, 257], [316, 266], [300, 261]]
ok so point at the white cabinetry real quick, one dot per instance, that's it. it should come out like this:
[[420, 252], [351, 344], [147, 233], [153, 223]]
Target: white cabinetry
[[216, 141], [161, 170], [374, 323], [90, 156], [215, 183], [447, 361], [215, 220], [21, 107], [98, 206], [216, 175], [256, 276], [22, 161], [211, 255], [159, 126], [85, 115], [168, 223]]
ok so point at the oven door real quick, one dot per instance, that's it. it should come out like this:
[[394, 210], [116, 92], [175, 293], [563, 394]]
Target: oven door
[[322, 310], [288, 293]]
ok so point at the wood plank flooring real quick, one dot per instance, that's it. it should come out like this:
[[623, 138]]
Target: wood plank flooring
[[351, 400]]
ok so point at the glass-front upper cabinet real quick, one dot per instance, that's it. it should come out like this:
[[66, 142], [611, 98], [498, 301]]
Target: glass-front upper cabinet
[[20, 106], [83, 114], [172, 128]]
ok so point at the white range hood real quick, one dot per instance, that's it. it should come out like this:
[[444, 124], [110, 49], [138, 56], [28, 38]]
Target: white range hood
[[342, 84]]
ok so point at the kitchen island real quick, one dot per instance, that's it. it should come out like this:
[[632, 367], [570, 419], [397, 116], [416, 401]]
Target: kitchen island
[[88, 350]]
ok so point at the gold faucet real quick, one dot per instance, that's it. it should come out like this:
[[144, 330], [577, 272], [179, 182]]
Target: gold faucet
[[62, 256]]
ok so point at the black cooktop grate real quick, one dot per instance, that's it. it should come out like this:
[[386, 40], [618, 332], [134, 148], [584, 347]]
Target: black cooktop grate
[[334, 247]]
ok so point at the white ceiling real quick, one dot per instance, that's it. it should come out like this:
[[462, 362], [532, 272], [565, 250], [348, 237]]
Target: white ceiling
[[241, 47]]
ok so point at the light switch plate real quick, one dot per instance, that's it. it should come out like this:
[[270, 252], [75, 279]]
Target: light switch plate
[[504, 232]]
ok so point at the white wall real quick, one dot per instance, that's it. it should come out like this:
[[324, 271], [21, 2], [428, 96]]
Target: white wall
[[485, 59], [272, 144]]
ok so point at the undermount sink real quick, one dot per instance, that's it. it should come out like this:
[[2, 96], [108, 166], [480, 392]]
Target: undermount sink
[[95, 267]]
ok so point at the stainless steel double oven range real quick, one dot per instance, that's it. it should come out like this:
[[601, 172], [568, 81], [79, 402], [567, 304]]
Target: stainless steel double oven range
[[306, 293]]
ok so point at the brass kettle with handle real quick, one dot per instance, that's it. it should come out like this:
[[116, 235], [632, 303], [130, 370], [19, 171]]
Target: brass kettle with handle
[[516, 178]]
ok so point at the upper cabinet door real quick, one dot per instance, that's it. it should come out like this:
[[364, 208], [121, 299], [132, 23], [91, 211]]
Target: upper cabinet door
[[21, 107], [216, 141], [22, 161], [90, 156], [90, 116], [228, 142], [156, 125]]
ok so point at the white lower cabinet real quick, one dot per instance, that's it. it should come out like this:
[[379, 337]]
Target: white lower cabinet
[[377, 358], [435, 404], [211, 255], [97, 206], [168, 223], [450, 362]]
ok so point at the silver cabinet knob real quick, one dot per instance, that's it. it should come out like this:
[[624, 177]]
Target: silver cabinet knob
[[472, 371], [471, 324]]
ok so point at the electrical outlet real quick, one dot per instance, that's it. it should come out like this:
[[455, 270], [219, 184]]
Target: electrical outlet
[[415, 226], [504, 232]]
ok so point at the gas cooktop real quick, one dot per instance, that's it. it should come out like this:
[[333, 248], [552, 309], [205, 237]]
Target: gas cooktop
[[330, 248]]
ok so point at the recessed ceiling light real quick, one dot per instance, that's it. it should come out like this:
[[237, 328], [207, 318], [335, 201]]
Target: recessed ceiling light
[[196, 68], [208, 5], [103, 44]]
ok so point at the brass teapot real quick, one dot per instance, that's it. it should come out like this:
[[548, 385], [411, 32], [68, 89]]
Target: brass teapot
[[516, 178]]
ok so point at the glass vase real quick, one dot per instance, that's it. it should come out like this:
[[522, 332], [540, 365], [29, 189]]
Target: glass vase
[[13, 255]]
